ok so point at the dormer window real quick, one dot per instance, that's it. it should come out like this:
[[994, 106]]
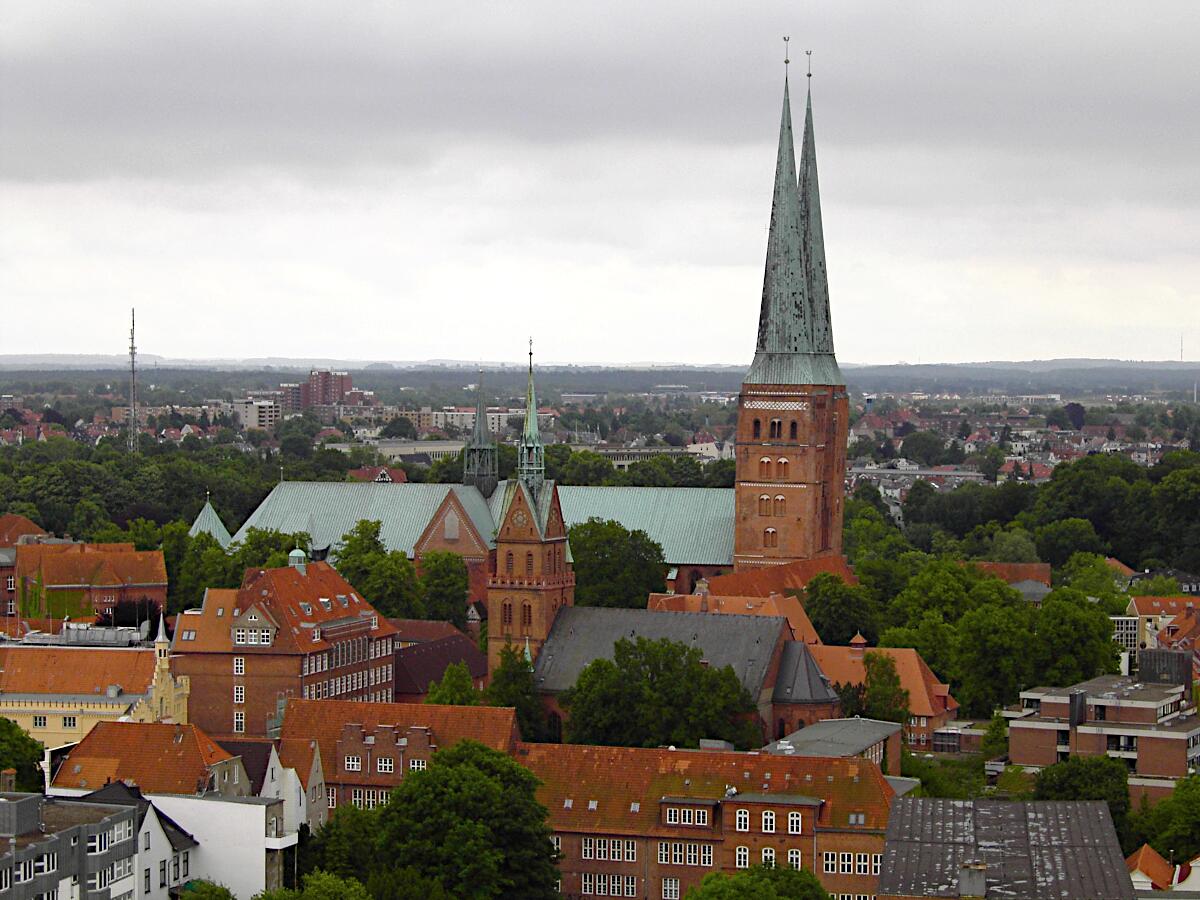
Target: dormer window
[[306, 608], [326, 604], [253, 617], [316, 635]]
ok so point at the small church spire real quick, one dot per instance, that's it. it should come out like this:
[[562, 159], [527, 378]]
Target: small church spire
[[814, 235], [531, 455], [480, 455]]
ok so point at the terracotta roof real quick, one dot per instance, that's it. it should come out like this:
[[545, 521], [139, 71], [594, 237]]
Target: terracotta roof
[[616, 779], [1150, 863], [13, 526], [18, 627], [90, 564], [418, 665], [926, 695], [297, 753], [779, 579], [159, 758], [781, 605], [418, 631], [322, 720], [385, 474], [1163, 606], [1011, 573], [1117, 566], [74, 670]]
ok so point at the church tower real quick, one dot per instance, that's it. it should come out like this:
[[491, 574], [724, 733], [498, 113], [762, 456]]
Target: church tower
[[793, 410], [533, 578], [479, 456]]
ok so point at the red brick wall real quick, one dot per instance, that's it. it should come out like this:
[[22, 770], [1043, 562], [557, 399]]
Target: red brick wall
[[210, 701], [1031, 746]]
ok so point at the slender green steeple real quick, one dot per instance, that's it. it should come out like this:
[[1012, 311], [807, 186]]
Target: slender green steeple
[[531, 455], [795, 344], [480, 455]]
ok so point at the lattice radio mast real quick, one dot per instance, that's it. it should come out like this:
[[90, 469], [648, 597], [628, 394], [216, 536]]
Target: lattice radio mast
[[133, 415]]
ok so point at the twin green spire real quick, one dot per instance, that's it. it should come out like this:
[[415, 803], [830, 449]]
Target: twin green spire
[[795, 336]]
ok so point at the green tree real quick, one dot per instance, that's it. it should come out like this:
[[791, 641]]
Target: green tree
[[839, 610], [455, 688], [992, 658], [991, 461], [1172, 825], [995, 739], [21, 752], [345, 846], [655, 693], [208, 890], [1158, 586], [472, 823], [1089, 778], [1074, 640], [1089, 574], [1058, 541], [512, 685], [615, 566], [444, 584], [1012, 546], [883, 696], [932, 637], [320, 885], [387, 579], [760, 883], [399, 427], [924, 446]]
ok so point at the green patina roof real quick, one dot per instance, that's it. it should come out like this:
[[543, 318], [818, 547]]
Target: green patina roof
[[795, 337], [693, 525], [208, 522]]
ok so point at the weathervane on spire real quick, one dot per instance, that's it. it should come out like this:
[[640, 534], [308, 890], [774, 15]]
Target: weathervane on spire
[[786, 60], [531, 354], [808, 53]]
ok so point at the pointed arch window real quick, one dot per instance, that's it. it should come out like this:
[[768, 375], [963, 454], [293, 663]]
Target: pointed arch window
[[764, 467], [764, 504], [506, 614], [757, 428], [526, 617], [780, 505], [777, 428], [528, 563], [792, 431], [508, 562], [781, 471], [770, 538]]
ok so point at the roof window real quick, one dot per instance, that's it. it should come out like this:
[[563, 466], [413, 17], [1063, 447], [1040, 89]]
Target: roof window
[[306, 608], [568, 803], [593, 805], [326, 603], [635, 806]]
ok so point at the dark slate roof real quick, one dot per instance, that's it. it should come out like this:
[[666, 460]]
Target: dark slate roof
[[420, 664], [1033, 591], [800, 679], [1035, 850], [582, 634], [834, 737], [256, 756], [119, 793]]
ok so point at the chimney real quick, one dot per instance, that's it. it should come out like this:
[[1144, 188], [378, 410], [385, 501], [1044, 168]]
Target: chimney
[[701, 591], [8, 781], [972, 880]]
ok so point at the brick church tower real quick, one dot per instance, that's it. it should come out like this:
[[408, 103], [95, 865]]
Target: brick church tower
[[792, 411], [533, 579]]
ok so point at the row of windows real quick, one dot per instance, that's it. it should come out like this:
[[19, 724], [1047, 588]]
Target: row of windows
[[383, 764], [741, 857], [355, 681], [851, 863], [677, 853], [601, 884], [68, 722], [599, 848], [768, 506], [775, 429], [686, 815], [795, 821], [346, 653], [777, 469], [554, 561], [252, 636]]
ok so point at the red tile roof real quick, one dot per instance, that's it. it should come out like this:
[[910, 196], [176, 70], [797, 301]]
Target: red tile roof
[[1150, 863], [779, 579], [323, 720], [783, 606], [926, 695], [618, 777], [1117, 566], [95, 565], [1163, 606], [420, 631], [13, 526], [159, 758], [74, 670], [1011, 573]]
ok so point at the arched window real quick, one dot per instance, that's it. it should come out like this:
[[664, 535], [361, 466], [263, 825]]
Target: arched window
[[768, 856], [795, 823], [526, 616], [528, 563], [508, 562], [506, 614], [742, 858], [792, 430], [764, 467], [764, 505], [770, 538], [777, 428], [743, 820], [768, 822], [780, 505], [757, 428], [782, 471]]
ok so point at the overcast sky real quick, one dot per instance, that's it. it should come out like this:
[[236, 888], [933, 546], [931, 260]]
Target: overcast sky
[[403, 180]]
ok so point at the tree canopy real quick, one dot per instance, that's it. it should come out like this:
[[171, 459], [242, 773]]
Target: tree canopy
[[21, 752], [615, 566], [455, 689], [512, 684], [760, 883]]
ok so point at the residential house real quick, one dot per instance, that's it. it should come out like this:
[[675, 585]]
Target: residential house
[[1155, 614], [1149, 871], [301, 786], [82, 580], [300, 631], [639, 822], [1188, 583], [365, 748], [14, 529]]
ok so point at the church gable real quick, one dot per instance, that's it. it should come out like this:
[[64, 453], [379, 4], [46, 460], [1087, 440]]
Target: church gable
[[450, 528], [555, 528], [519, 522]]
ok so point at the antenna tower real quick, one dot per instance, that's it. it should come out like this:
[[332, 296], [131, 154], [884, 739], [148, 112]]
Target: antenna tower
[[133, 416]]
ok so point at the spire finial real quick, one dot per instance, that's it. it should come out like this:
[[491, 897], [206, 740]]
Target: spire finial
[[786, 59], [531, 353], [808, 53]]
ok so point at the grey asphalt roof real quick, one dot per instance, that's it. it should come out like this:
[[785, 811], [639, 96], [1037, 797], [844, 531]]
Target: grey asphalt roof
[[1033, 591], [1035, 850], [693, 525], [800, 679], [582, 634], [834, 737]]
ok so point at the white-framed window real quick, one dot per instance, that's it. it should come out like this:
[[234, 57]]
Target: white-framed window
[[264, 636], [706, 855], [383, 765], [768, 822], [876, 860], [631, 886], [677, 853], [768, 856], [693, 855], [251, 636], [356, 797], [416, 765], [239, 722], [602, 884], [331, 797], [70, 722], [45, 864], [670, 889], [146, 841], [353, 764], [686, 815], [12, 583], [39, 721], [794, 859], [587, 883], [630, 851], [862, 864], [122, 831], [742, 820], [601, 848], [702, 817], [98, 843], [239, 693], [239, 635], [830, 862], [672, 815], [24, 871], [847, 863], [664, 853], [741, 857], [239, 665]]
